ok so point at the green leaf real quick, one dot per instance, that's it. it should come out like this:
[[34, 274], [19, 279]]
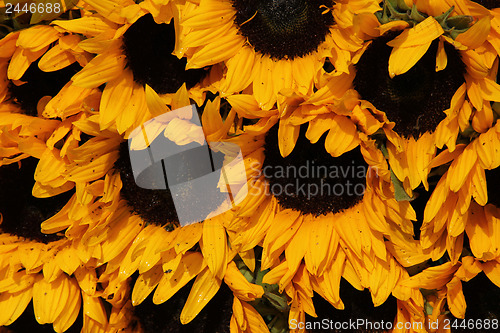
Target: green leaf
[[399, 191]]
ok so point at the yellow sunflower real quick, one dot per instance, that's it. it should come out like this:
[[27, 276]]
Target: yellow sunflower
[[47, 269], [312, 238], [133, 46], [270, 46], [121, 228], [439, 76]]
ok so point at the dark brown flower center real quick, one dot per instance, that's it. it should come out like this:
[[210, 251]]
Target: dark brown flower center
[[283, 29], [39, 84], [22, 213], [148, 47], [415, 100], [490, 4], [310, 180], [153, 200]]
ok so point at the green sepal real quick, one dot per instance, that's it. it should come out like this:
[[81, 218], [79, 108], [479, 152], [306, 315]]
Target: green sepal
[[402, 6], [279, 302], [415, 15], [460, 22], [444, 17]]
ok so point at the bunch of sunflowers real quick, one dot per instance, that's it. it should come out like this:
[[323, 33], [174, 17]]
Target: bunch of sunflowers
[[371, 149]]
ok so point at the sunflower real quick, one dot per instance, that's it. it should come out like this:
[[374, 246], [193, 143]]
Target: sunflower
[[439, 75], [312, 238], [133, 50], [47, 269], [122, 229], [270, 46]]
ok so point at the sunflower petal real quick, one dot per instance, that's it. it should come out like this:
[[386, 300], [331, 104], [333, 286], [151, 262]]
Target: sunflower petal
[[204, 288], [50, 299], [475, 35], [102, 69], [492, 271], [12, 305], [288, 135], [342, 137], [191, 265], [241, 288], [456, 298], [214, 246], [145, 284]]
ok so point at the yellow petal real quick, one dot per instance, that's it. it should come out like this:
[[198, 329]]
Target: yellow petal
[[248, 258], [93, 307], [241, 288], [87, 25], [214, 246], [246, 106], [191, 265], [154, 245], [476, 35], [490, 90], [411, 45], [67, 317], [8, 45], [12, 305], [204, 288], [318, 126], [263, 85], [37, 37], [456, 298], [321, 239], [103, 68], [394, 25], [486, 146], [421, 34], [108, 9], [479, 188], [441, 58], [124, 227], [460, 169], [87, 279], [145, 284], [187, 237], [212, 53], [55, 59], [209, 14], [492, 271], [51, 299], [67, 260], [342, 137], [155, 104], [288, 135], [20, 62], [433, 277], [402, 59], [303, 71], [94, 170]]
